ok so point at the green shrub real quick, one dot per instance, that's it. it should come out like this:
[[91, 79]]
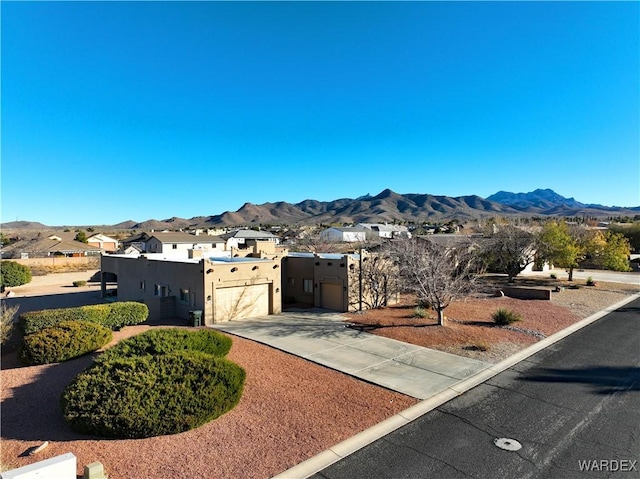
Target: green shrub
[[170, 340], [7, 314], [504, 317], [77, 284], [14, 274], [145, 396], [113, 316], [66, 340], [126, 313], [420, 312], [590, 281]]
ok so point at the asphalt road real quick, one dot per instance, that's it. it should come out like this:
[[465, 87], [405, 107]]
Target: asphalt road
[[574, 408]]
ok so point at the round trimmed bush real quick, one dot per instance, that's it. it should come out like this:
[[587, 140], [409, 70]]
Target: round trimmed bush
[[66, 340], [14, 274], [169, 340], [146, 396], [505, 317]]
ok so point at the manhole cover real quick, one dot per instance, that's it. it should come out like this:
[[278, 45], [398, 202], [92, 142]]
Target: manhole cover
[[507, 444]]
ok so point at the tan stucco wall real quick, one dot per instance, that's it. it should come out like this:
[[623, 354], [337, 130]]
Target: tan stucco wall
[[201, 278]]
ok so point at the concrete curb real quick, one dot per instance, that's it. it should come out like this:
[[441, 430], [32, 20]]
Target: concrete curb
[[366, 437]]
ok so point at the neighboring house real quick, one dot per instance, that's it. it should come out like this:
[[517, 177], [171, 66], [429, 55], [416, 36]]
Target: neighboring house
[[105, 243], [386, 230], [241, 239], [222, 288], [179, 243], [43, 248], [349, 234], [329, 281], [137, 241]]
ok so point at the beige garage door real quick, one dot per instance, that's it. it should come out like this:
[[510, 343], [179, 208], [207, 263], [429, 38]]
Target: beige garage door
[[331, 296], [242, 302]]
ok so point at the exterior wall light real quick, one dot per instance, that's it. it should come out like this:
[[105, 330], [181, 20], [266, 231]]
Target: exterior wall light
[[234, 269], [210, 270]]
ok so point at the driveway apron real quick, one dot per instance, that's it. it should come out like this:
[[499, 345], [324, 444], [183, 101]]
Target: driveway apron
[[325, 338]]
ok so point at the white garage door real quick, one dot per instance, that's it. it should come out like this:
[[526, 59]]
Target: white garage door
[[331, 296], [242, 302]]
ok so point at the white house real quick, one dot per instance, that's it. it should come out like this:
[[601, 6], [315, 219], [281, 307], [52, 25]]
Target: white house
[[350, 234], [387, 230], [178, 244], [242, 239]]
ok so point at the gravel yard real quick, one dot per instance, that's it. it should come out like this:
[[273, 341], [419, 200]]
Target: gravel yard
[[291, 409]]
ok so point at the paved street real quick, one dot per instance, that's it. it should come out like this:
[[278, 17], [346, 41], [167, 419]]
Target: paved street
[[574, 408]]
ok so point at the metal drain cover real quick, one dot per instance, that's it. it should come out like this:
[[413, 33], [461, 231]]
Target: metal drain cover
[[507, 444]]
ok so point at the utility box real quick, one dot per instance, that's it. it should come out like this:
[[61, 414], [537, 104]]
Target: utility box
[[195, 317], [60, 467]]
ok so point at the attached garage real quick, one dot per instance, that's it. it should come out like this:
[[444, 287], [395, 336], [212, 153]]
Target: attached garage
[[241, 302], [331, 296]]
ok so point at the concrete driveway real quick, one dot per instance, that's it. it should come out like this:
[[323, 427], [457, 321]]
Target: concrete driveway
[[324, 338]]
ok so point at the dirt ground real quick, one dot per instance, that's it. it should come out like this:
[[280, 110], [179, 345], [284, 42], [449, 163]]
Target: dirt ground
[[291, 409]]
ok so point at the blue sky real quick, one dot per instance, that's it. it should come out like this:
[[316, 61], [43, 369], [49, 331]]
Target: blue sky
[[137, 110]]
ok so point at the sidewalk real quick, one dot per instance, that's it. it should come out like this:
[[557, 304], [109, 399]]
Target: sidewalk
[[324, 338]]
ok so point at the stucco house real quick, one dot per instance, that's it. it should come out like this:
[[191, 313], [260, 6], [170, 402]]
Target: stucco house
[[332, 281], [104, 242], [348, 234], [172, 286]]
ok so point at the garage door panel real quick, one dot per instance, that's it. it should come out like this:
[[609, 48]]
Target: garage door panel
[[242, 302], [331, 296]]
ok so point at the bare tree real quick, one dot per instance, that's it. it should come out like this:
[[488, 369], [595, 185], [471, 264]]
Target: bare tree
[[372, 280], [510, 250], [436, 274]]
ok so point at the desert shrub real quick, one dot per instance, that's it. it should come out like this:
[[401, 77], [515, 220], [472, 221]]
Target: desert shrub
[[6, 321], [504, 317], [113, 316], [145, 396], [66, 340], [77, 284], [166, 341], [553, 276], [590, 281], [478, 345], [420, 312], [126, 313], [14, 274]]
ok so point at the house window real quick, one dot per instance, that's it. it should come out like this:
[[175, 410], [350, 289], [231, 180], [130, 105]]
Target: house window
[[184, 295], [143, 285], [160, 290], [174, 246], [307, 285]]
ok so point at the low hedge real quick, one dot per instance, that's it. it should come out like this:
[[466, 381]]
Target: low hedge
[[169, 340], [66, 340], [145, 396], [113, 316]]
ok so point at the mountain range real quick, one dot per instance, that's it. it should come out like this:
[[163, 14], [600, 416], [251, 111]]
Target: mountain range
[[387, 206]]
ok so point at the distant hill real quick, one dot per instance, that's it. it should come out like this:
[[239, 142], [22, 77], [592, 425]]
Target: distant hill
[[387, 206], [23, 225], [549, 203]]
